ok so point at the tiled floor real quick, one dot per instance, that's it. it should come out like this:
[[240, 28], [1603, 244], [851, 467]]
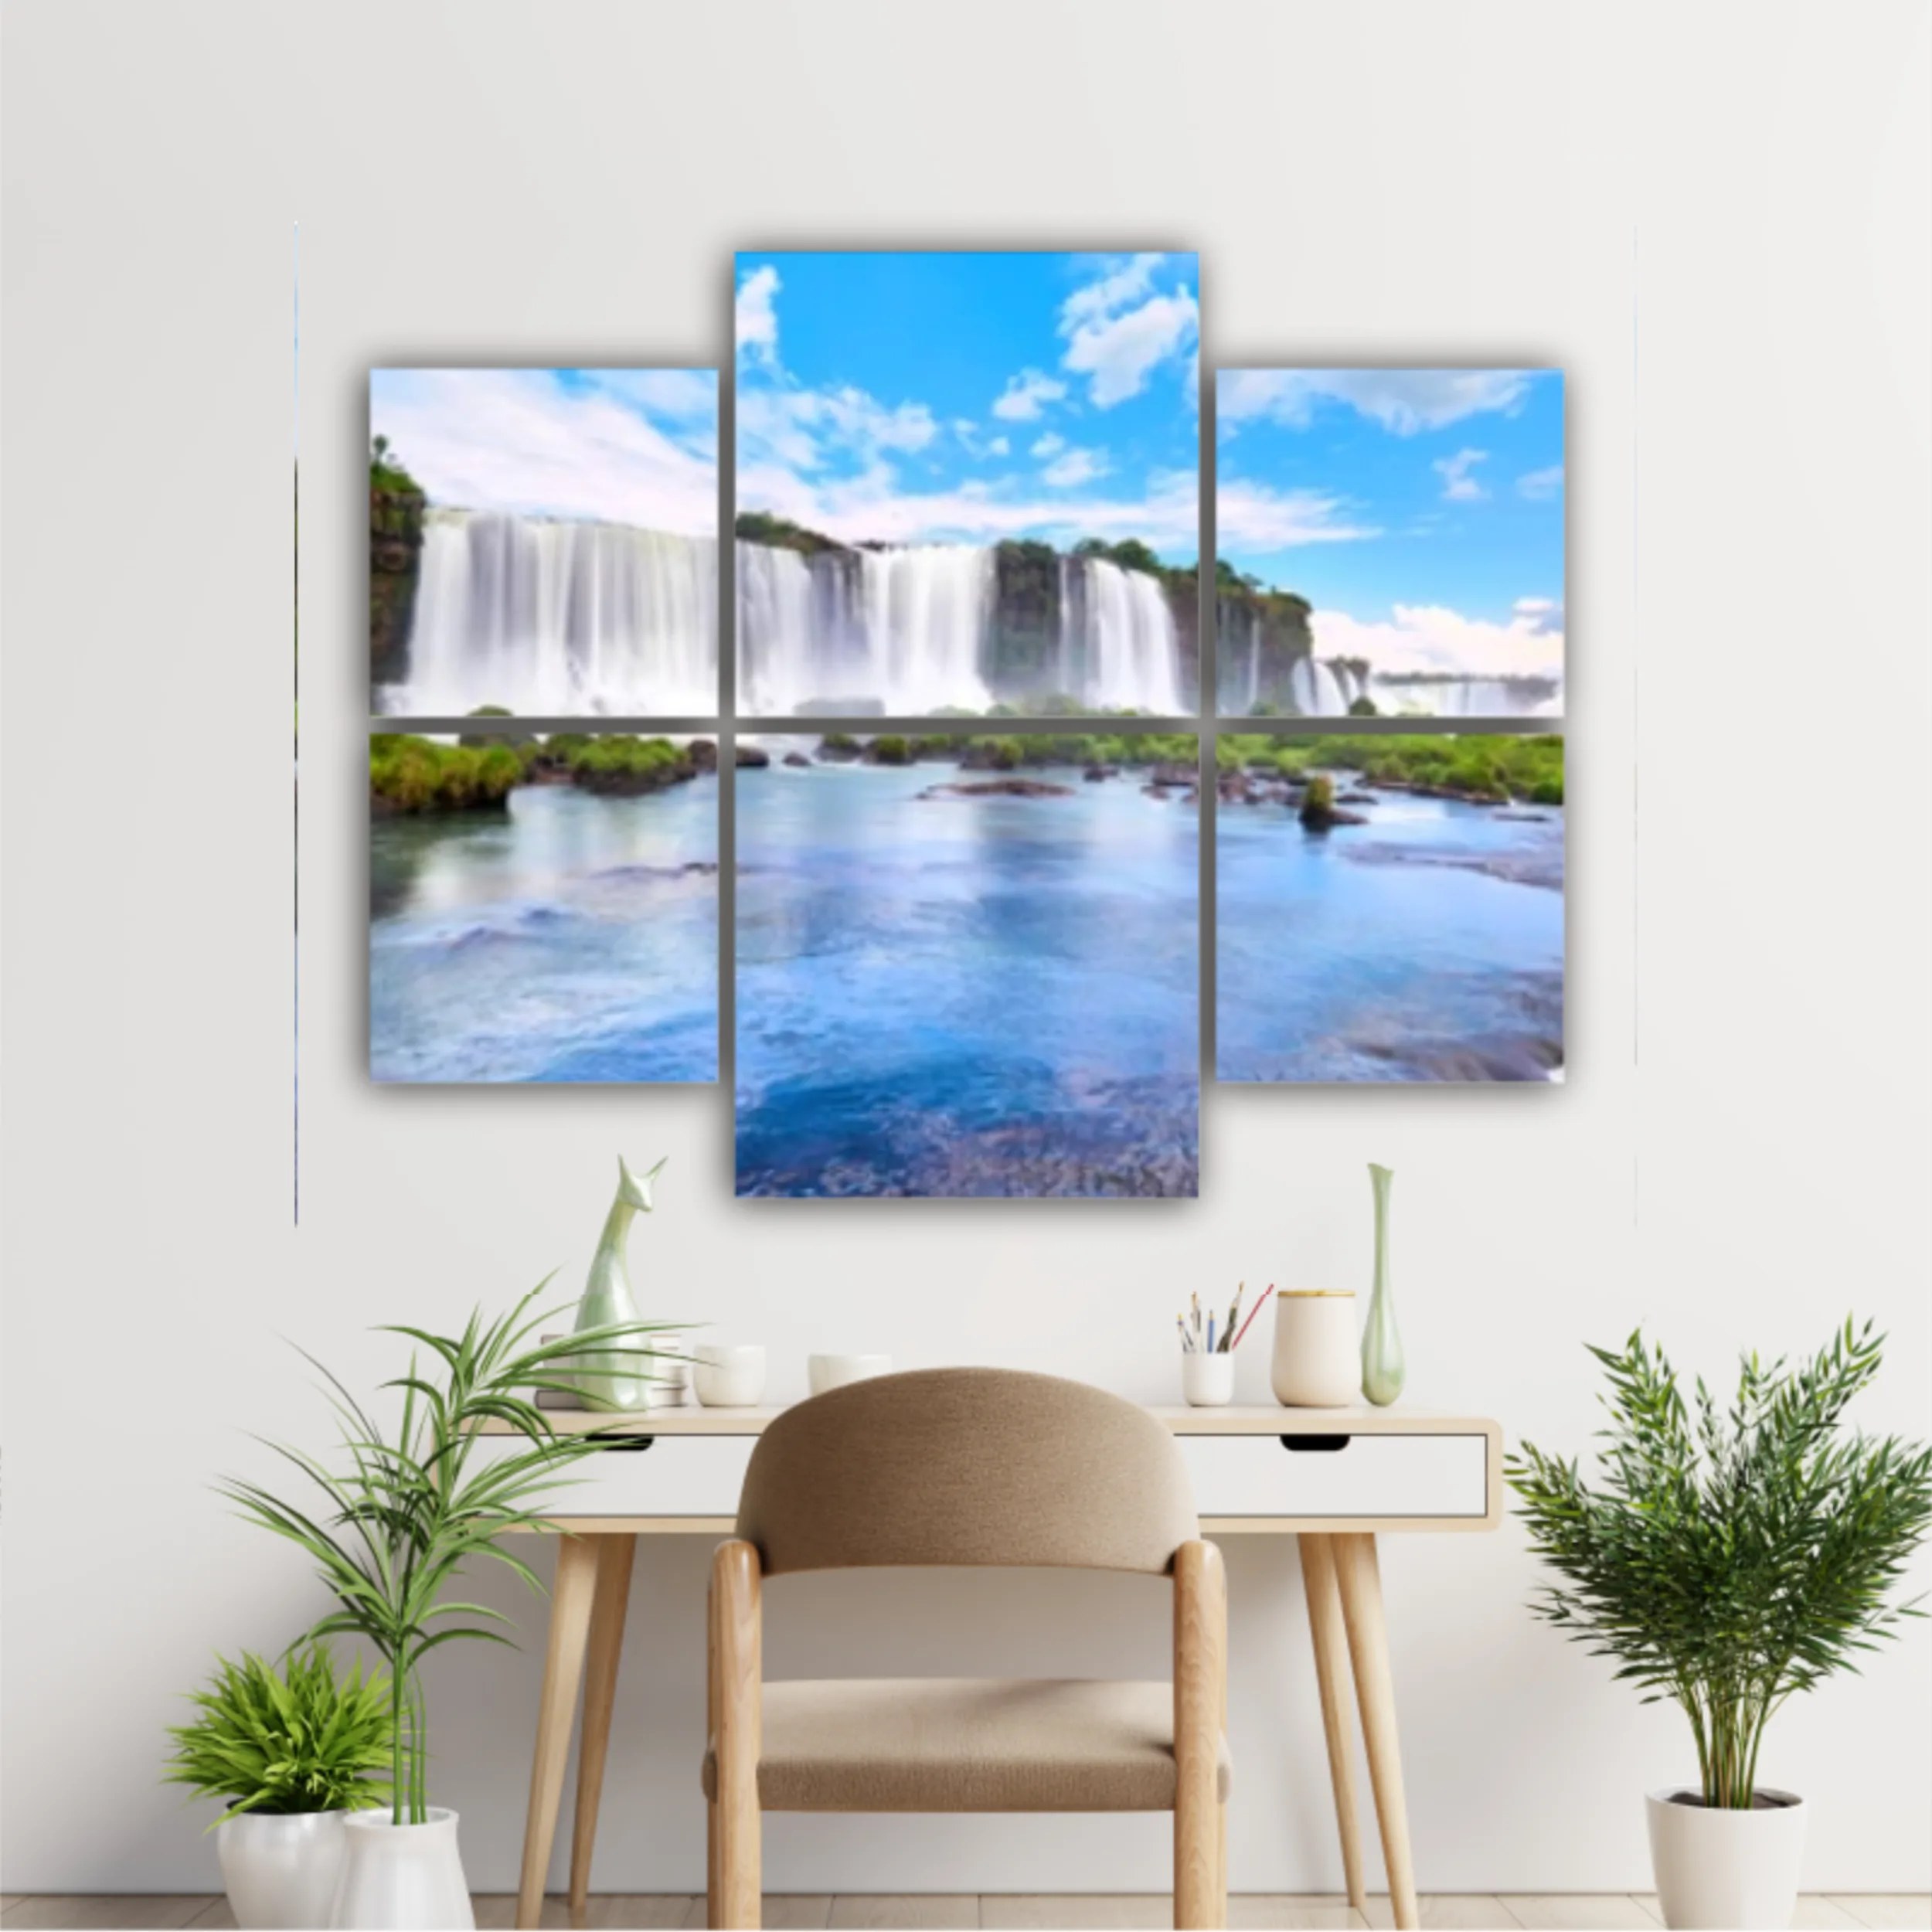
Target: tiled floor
[[1008, 1912]]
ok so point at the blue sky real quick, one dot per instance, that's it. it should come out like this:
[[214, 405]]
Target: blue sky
[[1419, 511], [619, 446], [904, 398]]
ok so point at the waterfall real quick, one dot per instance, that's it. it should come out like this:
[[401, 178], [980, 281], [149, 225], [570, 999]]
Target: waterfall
[[910, 632], [1133, 650], [1471, 697], [558, 619], [1318, 691]]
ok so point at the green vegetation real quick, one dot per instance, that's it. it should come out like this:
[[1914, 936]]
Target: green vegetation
[[620, 763], [1730, 1557], [399, 1516], [755, 526], [296, 1739], [1130, 553], [386, 475], [1363, 707], [890, 750], [1489, 770], [411, 774]]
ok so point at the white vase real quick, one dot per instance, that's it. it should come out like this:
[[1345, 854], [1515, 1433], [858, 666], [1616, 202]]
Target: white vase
[[1317, 1361], [1737, 1870], [281, 1871], [402, 1877]]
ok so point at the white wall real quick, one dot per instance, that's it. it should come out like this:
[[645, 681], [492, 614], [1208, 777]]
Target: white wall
[[1714, 218]]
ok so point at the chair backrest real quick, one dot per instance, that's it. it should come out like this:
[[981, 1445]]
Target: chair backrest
[[966, 1466]]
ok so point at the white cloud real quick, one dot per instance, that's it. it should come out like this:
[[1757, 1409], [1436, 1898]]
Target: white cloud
[[1020, 401], [999, 446], [1540, 613], [1458, 486], [1402, 401], [1433, 638], [803, 427], [517, 440], [1251, 518], [1538, 484], [1125, 281], [1118, 351], [1051, 444], [873, 507], [1076, 467], [757, 320]]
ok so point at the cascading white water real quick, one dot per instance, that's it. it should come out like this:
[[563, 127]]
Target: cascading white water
[[559, 619], [1471, 697], [909, 631], [1133, 648], [1317, 693]]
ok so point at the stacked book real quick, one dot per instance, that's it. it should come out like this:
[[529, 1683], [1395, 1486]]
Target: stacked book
[[667, 1386]]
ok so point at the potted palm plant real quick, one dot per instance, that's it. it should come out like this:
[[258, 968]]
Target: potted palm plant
[[292, 1751], [400, 1516], [1727, 1558]]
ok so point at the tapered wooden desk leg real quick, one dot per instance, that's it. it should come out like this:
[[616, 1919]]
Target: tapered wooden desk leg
[[1360, 1581], [571, 1597], [610, 1599], [1331, 1678]]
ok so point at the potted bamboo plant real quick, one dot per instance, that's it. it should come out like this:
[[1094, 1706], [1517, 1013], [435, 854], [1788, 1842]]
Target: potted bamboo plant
[[400, 1516], [293, 1751], [1727, 1558]]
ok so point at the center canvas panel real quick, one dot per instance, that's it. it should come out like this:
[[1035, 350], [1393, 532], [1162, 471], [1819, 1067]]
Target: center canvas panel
[[968, 965], [968, 484]]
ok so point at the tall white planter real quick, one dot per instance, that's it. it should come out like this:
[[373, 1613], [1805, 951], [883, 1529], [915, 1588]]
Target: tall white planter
[[1728, 1871], [281, 1871], [402, 1878]]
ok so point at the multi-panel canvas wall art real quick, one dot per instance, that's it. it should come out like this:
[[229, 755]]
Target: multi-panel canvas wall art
[[1389, 908], [969, 965], [968, 483], [1390, 542], [543, 908], [543, 542]]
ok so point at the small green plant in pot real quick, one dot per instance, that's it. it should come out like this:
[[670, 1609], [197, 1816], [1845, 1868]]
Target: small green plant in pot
[[1726, 1558], [397, 1519], [290, 1751]]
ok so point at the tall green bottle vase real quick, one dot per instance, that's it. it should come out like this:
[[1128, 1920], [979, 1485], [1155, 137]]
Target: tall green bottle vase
[[1383, 1371]]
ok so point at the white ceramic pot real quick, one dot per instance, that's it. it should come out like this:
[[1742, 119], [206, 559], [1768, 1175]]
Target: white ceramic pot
[[402, 1877], [281, 1872], [1737, 1870], [1207, 1381], [728, 1378], [824, 1372], [1317, 1360]]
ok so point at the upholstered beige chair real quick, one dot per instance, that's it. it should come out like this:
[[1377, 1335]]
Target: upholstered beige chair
[[967, 1466]]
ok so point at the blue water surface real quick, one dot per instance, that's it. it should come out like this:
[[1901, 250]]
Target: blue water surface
[[1426, 944], [569, 938], [946, 996]]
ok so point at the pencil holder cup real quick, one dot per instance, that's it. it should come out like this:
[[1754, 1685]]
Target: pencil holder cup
[[1207, 1381], [1318, 1363]]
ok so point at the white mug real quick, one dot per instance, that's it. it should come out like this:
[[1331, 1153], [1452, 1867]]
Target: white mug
[[728, 1378], [1317, 1358], [826, 1371]]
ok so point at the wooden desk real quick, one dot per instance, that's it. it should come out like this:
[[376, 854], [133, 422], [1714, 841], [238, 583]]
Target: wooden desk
[[1334, 1478]]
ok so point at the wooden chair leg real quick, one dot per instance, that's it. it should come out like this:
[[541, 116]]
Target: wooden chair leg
[[570, 1600], [1331, 1676], [1360, 1581], [609, 1600], [736, 1674], [1200, 1694]]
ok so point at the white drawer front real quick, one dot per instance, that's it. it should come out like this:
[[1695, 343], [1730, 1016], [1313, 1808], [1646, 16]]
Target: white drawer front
[[676, 1476], [1369, 1476]]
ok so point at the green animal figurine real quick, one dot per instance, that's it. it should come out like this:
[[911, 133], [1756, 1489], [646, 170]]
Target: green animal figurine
[[614, 1379]]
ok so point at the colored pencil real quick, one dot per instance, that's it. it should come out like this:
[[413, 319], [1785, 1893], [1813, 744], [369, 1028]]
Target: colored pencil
[[1249, 1323]]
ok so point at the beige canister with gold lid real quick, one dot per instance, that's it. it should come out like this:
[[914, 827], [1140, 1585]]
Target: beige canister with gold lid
[[1318, 1359]]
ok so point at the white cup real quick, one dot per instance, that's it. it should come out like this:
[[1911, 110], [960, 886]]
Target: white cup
[[1207, 1381], [728, 1378], [824, 1372]]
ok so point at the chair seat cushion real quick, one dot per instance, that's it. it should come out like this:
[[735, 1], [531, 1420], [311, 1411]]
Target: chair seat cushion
[[966, 1744]]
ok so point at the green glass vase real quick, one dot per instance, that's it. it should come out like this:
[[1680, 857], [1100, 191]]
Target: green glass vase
[[1383, 1369]]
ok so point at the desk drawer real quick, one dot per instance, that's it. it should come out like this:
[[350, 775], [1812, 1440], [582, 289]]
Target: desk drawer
[[1364, 1475], [676, 1476]]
